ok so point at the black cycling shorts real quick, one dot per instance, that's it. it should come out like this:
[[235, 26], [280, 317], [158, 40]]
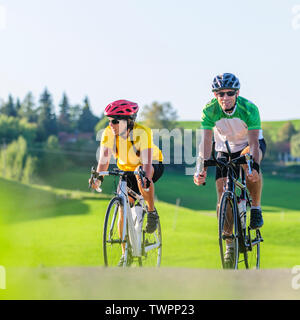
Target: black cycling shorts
[[223, 173], [158, 172]]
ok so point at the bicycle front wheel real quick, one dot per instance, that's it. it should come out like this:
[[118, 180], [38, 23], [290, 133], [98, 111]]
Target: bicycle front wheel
[[151, 246], [112, 240], [228, 232], [253, 240]]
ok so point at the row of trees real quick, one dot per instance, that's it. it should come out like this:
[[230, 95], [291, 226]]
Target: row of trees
[[285, 140], [71, 118], [29, 143]]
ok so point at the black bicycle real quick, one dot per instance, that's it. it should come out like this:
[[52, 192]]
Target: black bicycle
[[233, 220]]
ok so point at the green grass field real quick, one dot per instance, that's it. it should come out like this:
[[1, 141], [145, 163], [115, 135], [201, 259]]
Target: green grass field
[[59, 223], [46, 225]]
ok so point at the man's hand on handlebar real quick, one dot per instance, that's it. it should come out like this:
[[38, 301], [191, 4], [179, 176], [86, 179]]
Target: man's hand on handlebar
[[199, 178]]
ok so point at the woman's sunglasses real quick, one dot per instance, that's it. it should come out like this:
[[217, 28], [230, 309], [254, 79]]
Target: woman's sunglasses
[[114, 121], [229, 94]]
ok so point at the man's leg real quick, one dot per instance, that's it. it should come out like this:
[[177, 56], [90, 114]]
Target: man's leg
[[255, 189], [219, 187], [228, 226]]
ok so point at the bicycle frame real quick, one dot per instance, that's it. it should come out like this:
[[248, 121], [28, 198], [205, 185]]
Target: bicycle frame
[[142, 203], [128, 221], [132, 235]]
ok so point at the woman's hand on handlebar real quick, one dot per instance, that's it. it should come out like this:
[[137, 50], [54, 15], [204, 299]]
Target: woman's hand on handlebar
[[94, 183]]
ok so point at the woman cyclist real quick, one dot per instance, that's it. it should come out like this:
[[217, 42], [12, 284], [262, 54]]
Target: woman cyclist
[[132, 145]]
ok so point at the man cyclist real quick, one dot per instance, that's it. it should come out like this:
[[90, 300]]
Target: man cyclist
[[231, 117], [132, 145]]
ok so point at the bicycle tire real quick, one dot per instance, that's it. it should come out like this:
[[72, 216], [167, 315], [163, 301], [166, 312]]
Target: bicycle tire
[[252, 259], [151, 258], [225, 219], [112, 242]]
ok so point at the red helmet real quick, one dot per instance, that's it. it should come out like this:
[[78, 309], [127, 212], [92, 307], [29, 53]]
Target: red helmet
[[122, 108]]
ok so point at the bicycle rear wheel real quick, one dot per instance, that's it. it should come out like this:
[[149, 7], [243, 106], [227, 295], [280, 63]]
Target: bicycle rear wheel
[[151, 246], [112, 242], [228, 230]]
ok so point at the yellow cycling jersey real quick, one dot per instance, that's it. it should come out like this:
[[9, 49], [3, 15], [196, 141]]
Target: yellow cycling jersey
[[127, 151]]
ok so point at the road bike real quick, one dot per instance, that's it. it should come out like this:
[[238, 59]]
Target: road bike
[[233, 219], [124, 226]]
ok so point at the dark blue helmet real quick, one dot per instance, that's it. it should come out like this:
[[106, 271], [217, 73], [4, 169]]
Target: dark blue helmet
[[226, 81]]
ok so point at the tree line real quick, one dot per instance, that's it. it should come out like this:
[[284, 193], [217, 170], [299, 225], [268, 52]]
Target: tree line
[[29, 134], [42, 116]]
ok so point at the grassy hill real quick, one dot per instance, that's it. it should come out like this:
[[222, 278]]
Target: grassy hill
[[50, 234], [46, 225]]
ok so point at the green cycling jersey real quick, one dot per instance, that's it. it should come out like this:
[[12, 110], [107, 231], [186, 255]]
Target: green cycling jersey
[[232, 127]]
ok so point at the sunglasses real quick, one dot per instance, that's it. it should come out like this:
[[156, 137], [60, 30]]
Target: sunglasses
[[229, 93], [114, 121]]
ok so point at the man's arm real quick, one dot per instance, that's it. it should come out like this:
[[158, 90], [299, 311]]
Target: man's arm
[[206, 144], [204, 153], [254, 144]]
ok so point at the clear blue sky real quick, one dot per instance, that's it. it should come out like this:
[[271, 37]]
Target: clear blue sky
[[163, 50]]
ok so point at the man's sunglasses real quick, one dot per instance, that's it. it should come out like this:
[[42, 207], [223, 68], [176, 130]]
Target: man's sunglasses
[[229, 93]]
